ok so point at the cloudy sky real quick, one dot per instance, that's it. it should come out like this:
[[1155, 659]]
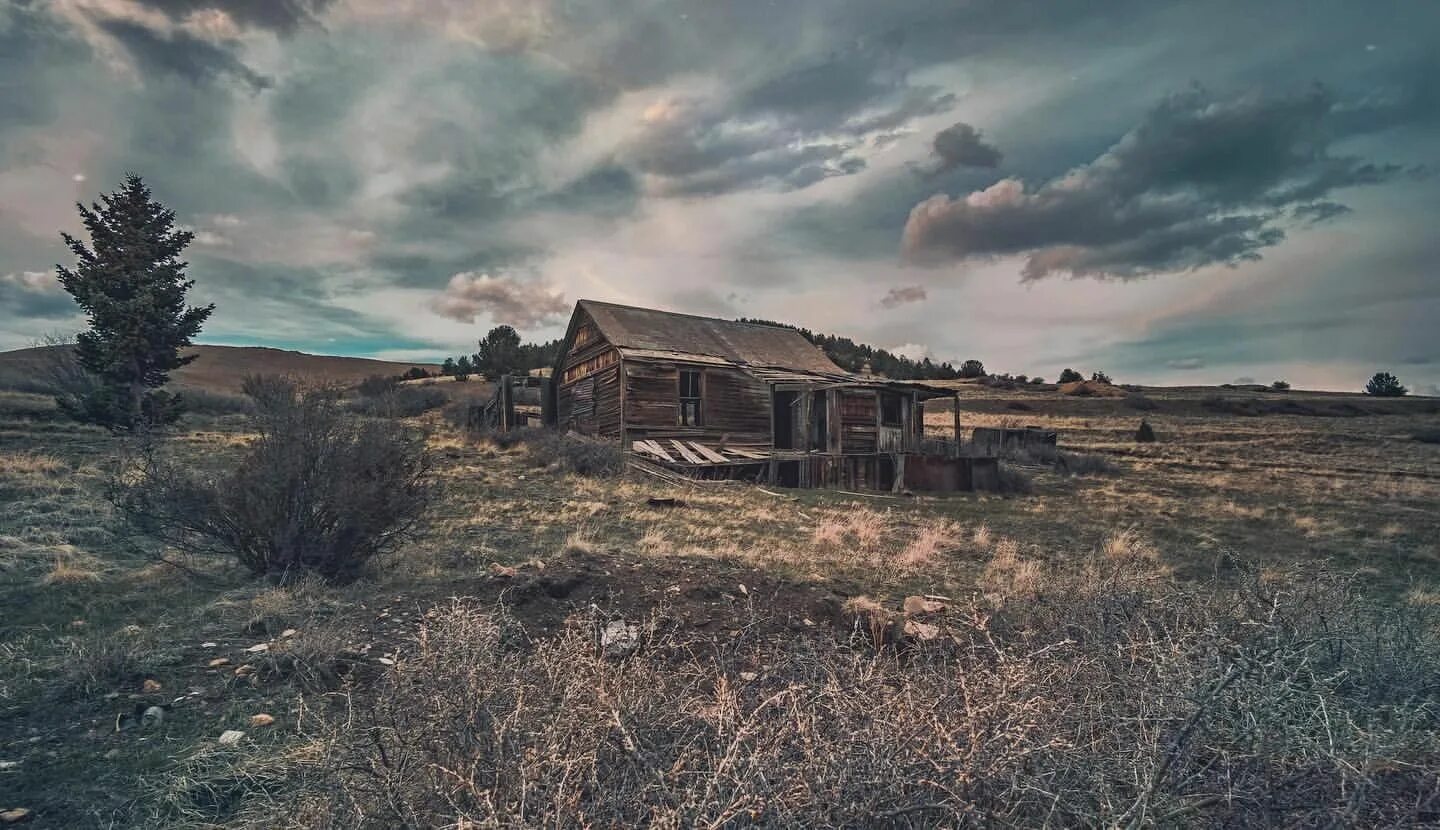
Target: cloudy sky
[[1179, 193]]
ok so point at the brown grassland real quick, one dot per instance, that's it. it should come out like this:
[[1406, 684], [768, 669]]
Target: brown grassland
[[1234, 625]]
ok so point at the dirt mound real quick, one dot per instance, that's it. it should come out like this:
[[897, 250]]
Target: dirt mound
[[1091, 389]]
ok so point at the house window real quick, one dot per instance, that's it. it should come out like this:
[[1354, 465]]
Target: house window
[[689, 398], [889, 409]]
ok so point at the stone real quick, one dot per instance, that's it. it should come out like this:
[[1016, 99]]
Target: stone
[[916, 606], [151, 685], [923, 632], [748, 676], [288, 633], [244, 671], [619, 639], [231, 737], [501, 571], [6, 766], [209, 644], [15, 815], [261, 719], [218, 662], [385, 661], [154, 716], [258, 648]]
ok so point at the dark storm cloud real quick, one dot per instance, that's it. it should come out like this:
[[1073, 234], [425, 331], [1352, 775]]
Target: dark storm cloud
[[34, 50], [180, 54], [1200, 181], [960, 145], [34, 294], [278, 15], [1317, 212]]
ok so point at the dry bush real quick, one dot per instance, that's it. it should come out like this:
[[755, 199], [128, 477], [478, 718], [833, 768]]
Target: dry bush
[[1077, 464], [1105, 697], [574, 453], [318, 490], [1140, 402], [397, 401]]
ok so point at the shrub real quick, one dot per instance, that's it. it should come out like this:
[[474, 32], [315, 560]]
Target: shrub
[[1100, 377], [1076, 464], [1140, 402], [1100, 695], [377, 385], [575, 454], [1037, 380], [1070, 376], [415, 373], [401, 402], [1280, 386], [208, 402], [1385, 385], [319, 490], [1145, 434]]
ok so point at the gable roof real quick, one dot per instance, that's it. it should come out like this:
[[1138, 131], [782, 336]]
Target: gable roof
[[754, 344]]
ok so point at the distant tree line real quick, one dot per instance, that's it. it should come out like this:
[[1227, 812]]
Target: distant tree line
[[501, 352], [852, 357]]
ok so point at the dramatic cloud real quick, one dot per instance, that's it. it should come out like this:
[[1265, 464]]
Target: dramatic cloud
[[180, 53], [960, 145], [500, 299], [899, 296], [1201, 181], [278, 15], [34, 294]]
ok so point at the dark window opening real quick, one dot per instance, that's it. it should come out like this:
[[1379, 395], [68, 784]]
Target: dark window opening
[[890, 409], [886, 473], [819, 423], [788, 474], [689, 398], [784, 403]]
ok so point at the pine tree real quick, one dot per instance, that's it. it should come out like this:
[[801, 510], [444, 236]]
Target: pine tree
[[131, 284]]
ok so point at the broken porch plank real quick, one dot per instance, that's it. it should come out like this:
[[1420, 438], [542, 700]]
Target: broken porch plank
[[653, 449], [709, 454], [746, 453], [685, 453]]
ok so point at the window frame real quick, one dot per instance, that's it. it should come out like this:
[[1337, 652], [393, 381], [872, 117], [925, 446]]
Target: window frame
[[898, 402], [690, 409]]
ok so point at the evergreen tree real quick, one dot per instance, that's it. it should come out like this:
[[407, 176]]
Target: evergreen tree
[[499, 352], [131, 284], [463, 368], [1385, 385], [448, 367]]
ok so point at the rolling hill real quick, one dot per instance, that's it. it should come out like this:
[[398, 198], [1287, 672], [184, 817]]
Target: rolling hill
[[221, 368]]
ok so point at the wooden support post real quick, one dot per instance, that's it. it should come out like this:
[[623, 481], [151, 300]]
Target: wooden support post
[[507, 404], [956, 412], [899, 486]]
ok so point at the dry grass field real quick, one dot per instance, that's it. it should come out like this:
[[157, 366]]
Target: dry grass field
[[1081, 662]]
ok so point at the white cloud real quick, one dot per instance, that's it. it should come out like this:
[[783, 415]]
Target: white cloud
[[501, 299]]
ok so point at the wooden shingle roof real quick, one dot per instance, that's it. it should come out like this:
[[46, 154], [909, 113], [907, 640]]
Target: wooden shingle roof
[[751, 344]]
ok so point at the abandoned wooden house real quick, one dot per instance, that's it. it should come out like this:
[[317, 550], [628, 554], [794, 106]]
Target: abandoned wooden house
[[717, 398]]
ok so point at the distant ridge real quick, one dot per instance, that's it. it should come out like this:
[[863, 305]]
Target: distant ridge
[[223, 368]]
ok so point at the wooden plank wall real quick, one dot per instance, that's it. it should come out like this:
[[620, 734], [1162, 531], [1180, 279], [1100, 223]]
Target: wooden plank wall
[[859, 414], [734, 405], [591, 405]]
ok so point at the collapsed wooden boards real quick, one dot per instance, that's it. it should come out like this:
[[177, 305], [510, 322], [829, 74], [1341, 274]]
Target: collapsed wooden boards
[[693, 452]]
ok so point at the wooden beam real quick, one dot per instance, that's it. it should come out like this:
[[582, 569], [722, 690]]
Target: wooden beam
[[685, 453], [709, 454], [956, 413]]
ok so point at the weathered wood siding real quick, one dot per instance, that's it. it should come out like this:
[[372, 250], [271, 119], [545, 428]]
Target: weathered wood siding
[[591, 405], [733, 404], [858, 417], [587, 391]]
